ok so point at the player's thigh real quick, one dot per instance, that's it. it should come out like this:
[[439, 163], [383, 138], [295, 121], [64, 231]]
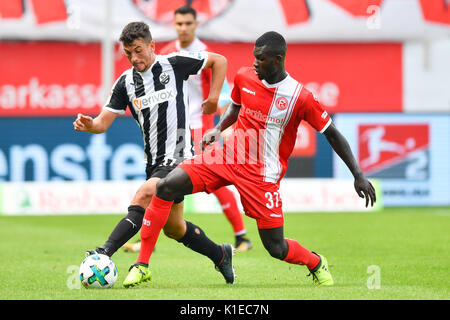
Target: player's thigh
[[206, 176], [262, 202], [145, 193]]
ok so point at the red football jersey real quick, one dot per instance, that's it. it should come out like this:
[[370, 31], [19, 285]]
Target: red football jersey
[[266, 128]]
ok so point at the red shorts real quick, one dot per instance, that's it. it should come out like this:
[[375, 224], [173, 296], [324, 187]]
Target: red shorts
[[260, 200]]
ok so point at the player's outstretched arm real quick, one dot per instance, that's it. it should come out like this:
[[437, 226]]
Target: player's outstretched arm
[[98, 125], [340, 145], [228, 118], [218, 65]]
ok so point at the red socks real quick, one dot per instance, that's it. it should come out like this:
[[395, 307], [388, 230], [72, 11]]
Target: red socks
[[155, 218], [231, 210], [299, 255]]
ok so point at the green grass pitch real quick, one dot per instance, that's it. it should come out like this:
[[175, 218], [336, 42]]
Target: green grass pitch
[[397, 253]]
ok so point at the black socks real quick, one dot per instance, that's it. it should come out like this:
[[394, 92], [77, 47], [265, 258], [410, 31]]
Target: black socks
[[125, 229], [197, 240]]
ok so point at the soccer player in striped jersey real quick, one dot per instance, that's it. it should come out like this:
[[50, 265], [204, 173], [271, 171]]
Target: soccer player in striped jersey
[[198, 89], [268, 106], [154, 91]]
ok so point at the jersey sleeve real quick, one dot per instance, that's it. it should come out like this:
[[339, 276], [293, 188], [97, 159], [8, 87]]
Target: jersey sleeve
[[118, 99], [313, 112], [188, 63], [236, 92]]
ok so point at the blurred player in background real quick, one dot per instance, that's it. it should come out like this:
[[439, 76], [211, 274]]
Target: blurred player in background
[[153, 90], [198, 88], [271, 104]]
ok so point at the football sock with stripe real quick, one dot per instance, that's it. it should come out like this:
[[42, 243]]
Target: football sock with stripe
[[125, 229]]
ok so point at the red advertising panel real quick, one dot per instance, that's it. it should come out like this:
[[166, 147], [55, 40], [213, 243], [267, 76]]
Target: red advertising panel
[[63, 78], [49, 78], [349, 77]]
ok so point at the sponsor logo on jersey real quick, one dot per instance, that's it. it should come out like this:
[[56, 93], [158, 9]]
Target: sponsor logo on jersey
[[394, 151], [154, 98], [249, 91], [257, 114]]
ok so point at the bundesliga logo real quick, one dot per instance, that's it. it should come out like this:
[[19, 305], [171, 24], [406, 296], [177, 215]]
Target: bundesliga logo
[[395, 151]]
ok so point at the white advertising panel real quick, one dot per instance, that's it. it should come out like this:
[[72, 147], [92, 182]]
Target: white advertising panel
[[57, 198], [113, 197], [426, 76], [303, 195]]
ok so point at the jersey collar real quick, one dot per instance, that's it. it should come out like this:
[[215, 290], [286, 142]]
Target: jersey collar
[[277, 84]]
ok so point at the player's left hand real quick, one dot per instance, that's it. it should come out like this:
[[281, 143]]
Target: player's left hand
[[365, 189], [83, 123]]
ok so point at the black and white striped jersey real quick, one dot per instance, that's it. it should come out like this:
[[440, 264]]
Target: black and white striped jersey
[[158, 101]]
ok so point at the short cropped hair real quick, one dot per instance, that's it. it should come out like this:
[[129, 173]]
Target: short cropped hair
[[185, 10], [274, 42], [135, 30]]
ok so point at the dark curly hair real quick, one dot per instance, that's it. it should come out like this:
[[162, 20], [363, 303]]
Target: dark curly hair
[[135, 30]]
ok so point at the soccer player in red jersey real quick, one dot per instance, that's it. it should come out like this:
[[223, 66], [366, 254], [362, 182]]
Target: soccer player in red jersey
[[268, 106]]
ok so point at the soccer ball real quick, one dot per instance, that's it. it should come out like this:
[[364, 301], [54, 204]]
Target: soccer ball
[[98, 271]]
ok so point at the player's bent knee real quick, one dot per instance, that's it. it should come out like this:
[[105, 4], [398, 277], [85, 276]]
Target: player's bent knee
[[144, 195], [277, 254], [164, 190], [276, 251], [173, 186]]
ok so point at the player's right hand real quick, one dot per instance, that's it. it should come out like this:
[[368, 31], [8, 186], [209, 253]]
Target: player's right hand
[[210, 137], [209, 106], [83, 123]]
